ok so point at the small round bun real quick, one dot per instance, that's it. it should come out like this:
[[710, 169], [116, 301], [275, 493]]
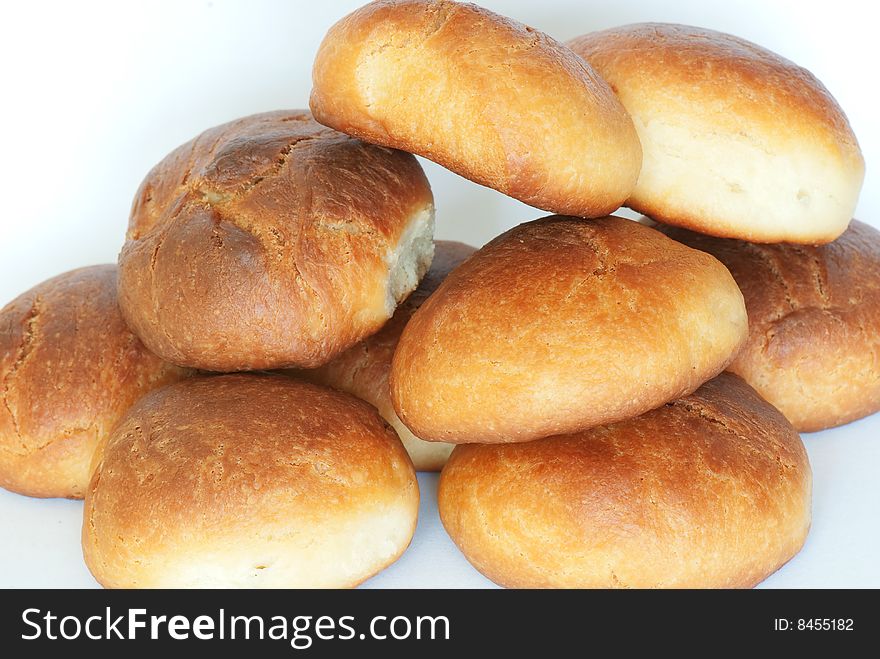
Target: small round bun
[[363, 370], [271, 242], [709, 491], [489, 98], [69, 369], [562, 324], [254, 481], [738, 142], [814, 323]]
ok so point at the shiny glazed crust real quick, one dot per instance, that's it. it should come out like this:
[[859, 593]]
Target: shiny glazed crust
[[248, 481], [489, 98], [561, 324], [272, 241], [710, 491], [738, 142], [814, 323]]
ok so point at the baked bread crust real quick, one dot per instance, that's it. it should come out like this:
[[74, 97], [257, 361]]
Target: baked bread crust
[[491, 99], [69, 370], [738, 142], [272, 241], [709, 491], [561, 324], [248, 481], [814, 323], [363, 369]]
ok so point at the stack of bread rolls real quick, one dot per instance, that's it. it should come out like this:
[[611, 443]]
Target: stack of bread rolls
[[244, 400]]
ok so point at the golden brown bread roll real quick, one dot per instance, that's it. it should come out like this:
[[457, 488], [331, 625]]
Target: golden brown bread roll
[[489, 98], [561, 324], [69, 369], [814, 323], [248, 481], [272, 241], [738, 141], [709, 491], [363, 370]]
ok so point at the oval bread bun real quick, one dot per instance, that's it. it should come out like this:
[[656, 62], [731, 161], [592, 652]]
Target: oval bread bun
[[69, 369], [272, 241], [814, 323], [489, 98], [562, 324], [363, 370], [710, 491], [248, 481], [738, 141]]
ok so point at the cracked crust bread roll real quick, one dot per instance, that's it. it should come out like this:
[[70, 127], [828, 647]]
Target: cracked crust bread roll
[[248, 481], [814, 323], [709, 491], [738, 142], [69, 368], [272, 242], [491, 99], [562, 324], [363, 370]]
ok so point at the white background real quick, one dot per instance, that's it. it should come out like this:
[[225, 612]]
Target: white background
[[94, 94]]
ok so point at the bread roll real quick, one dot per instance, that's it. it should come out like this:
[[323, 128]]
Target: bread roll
[[814, 323], [272, 241], [489, 98], [562, 324], [248, 481], [709, 491], [738, 142], [69, 369], [363, 370]]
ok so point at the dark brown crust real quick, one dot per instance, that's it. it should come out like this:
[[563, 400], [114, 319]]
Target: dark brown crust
[[262, 243], [236, 456], [363, 369], [814, 322], [69, 369], [712, 490], [561, 324]]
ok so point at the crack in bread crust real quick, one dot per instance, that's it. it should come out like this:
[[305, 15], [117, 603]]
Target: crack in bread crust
[[27, 343], [276, 220]]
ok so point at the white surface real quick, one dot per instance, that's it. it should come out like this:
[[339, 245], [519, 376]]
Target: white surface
[[97, 93]]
